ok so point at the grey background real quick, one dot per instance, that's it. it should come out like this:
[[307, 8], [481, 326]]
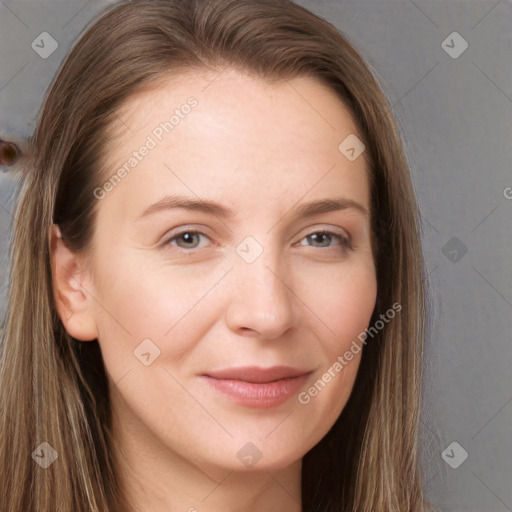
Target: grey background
[[456, 118]]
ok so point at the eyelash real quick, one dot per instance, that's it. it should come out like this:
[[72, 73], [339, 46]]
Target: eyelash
[[344, 242]]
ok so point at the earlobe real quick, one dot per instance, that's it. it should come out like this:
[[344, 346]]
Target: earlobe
[[72, 298]]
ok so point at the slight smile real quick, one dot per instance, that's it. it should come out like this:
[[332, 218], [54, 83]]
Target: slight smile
[[258, 387]]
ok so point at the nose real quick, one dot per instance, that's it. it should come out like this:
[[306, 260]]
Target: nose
[[262, 301]]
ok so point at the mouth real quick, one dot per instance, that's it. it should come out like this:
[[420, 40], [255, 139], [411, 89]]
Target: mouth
[[258, 387]]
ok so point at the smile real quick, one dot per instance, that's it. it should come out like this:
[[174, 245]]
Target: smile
[[258, 387]]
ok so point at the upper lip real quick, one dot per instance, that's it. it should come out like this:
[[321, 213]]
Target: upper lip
[[257, 374]]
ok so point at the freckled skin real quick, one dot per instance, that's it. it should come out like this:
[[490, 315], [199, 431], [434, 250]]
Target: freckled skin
[[260, 150]]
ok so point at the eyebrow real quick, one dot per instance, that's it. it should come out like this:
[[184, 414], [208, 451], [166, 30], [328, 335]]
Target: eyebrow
[[205, 206]]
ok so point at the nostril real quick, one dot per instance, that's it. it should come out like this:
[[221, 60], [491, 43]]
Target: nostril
[[9, 153]]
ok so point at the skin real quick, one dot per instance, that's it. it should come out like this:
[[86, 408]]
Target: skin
[[262, 150]]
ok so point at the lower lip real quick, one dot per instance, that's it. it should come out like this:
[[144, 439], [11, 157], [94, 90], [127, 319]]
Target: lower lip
[[258, 395]]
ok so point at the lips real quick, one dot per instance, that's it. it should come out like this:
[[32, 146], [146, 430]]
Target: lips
[[257, 387], [257, 375]]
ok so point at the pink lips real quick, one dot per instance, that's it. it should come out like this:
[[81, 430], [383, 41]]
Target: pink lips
[[258, 387]]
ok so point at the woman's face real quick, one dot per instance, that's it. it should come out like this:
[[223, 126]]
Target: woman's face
[[185, 298]]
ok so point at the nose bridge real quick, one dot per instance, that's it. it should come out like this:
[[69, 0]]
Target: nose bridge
[[261, 300]]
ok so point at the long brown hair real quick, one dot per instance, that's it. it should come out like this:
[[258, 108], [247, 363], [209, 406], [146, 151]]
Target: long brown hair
[[54, 389]]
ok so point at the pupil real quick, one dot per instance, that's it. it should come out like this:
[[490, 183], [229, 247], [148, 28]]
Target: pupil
[[188, 237], [319, 237]]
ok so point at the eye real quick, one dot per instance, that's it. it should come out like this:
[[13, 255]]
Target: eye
[[324, 236], [186, 240]]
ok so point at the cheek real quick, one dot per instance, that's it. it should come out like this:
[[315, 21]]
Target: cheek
[[351, 312], [138, 300], [344, 304]]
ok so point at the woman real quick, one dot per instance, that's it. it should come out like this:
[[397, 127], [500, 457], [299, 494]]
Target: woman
[[254, 370]]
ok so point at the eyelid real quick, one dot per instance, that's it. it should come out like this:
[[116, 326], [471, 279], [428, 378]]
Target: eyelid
[[333, 230], [179, 230]]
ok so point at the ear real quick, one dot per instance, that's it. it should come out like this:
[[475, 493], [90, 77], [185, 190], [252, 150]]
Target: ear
[[70, 290]]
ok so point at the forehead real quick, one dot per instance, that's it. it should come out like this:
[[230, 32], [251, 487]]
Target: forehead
[[235, 133], [232, 99]]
